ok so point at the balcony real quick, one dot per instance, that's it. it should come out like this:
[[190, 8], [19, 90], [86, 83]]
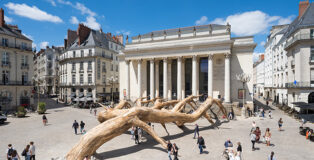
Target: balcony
[[14, 83], [77, 84], [311, 60], [89, 70], [292, 63], [24, 66], [16, 46], [73, 71], [89, 55], [5, 64], [81, 70], [299, 85], [298, 37]]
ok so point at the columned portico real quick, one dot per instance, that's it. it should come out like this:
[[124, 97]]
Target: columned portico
[[179, 74], [210, 75], [165, 78], [139, 77], [152, 88], [227, 77]]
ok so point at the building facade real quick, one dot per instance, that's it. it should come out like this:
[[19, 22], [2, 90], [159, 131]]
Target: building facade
[[176, 63], [46, 70], [290, 52], [89, 66], [16, 67], [259, 67]]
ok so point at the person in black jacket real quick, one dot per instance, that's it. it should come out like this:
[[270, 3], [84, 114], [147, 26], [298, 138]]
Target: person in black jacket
[[75, 126], [239, 149], [82, 125], [201, 143], [136, 136], [169, 148]]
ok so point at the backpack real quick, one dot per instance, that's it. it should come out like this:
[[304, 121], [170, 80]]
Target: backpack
[[24, 152], [10, 152]]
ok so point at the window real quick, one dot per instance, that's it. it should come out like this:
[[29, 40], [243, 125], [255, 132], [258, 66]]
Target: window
[[312, 34], [116, 47], [98, 69], [312, 77], [24, 60], [104, 79], [23, 45], [5, 58], [5, 42], [74, 54], [5, 77], [89, 78], [117, 68], [81, 79], [73, 67], [24, 78], [90, 52], [89, 67], [73, 79], [81, 66], [111, 56], [82, 53], [111, 67], [104, 90], [312, 53], [111, 46], [104, 67]]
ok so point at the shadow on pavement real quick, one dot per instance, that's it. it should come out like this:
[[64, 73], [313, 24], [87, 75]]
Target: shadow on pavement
[[150, 143], [258, 103]]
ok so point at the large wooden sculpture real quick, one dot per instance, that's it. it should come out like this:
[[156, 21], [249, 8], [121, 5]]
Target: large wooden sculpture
[[117, 121]]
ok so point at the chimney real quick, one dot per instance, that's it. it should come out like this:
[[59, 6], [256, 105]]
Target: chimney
[[120, 38], [83, 33], [2, 22], [71, 37], [65, 43], [302, 7]]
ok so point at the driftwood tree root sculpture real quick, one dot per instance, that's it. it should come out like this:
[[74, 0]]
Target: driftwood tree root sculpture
[[117, 121]]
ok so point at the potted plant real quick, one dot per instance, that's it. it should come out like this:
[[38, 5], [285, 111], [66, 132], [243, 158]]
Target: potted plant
[[41, 109], [21, 112]]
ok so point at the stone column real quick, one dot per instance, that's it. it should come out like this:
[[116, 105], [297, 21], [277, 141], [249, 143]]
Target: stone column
[[127, 79], [227, 77], [169, 76], [183, 79], [157, 79], [210, 75], [165, 78], [152, 89], [194, 75], [179, 76], [139, 77]]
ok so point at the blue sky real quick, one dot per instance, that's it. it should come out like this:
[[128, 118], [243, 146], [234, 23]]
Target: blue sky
[[47, 21]]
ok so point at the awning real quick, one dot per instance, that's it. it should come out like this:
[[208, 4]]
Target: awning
[[303, 105], [81, 95]]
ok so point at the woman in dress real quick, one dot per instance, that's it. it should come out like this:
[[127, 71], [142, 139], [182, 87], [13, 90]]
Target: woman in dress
[[267, 137]]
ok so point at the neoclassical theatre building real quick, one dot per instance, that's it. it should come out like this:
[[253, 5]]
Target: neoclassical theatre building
[[176, 63]]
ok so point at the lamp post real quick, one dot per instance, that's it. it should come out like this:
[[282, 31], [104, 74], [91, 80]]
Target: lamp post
[[111, 80]]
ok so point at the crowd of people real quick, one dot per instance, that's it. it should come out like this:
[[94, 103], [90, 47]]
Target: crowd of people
[[28, 152]]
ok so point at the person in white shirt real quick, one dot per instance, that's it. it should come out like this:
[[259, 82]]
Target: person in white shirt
[[32, 150]]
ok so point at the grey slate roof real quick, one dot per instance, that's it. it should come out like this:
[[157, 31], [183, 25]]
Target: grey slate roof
[[7, 30], [306, 20], [94, 39]]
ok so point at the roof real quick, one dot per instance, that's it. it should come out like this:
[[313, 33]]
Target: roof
[[13, 31], [94, 39], [305, 20]]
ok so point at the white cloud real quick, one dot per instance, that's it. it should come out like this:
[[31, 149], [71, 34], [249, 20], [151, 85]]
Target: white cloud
[[28, 36], [8, 19], [263, 43], [32, 12], [74, 20], [248, 23], [287, 20], [202, 20], [52, 2], [91, 22], [123, 32], [84, 10], [44, 45]]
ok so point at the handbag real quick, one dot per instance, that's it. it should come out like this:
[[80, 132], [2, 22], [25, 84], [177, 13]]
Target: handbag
[[24, 153], [204, 146]]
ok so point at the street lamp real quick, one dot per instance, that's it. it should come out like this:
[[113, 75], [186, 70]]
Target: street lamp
[[244, 78], [111, 80]]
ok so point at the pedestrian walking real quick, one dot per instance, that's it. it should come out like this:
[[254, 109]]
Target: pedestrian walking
[[95, 111], [269, 114], [32, 150], [15, 155], [267, 137], [249, 112], [271, 156], [82, 125], [258, 133], [280, 122], [90, 109], [136, 136], [175, 151], [45, 120], [201, 144], [140, 133], [132, 132], [267, 103], [239, 149], [169, 148], [263, 112], [253, 139], [196, 131], [26, 152], [75, 126], [10, 151]]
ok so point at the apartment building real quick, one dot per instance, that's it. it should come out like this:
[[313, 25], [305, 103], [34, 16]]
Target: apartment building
[[46, 67], [89, 66], [289, 59], [259, 80], [16, 70]]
